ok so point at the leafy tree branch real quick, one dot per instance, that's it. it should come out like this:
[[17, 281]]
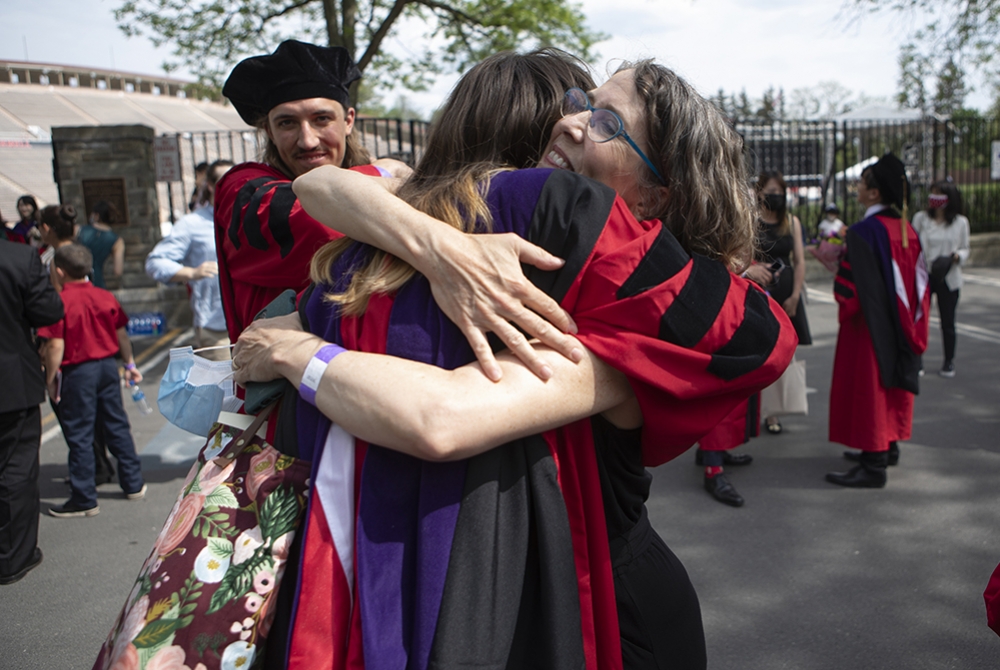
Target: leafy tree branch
[[209, 36]]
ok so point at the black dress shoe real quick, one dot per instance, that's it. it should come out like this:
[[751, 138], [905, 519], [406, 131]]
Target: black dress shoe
[[723, 491], [36, 560], [727, 458], [859, 477], [856, 456], [736, 459]]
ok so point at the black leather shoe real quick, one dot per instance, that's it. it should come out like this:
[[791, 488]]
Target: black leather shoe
[[723, 491], [856, 456], [859, 477], [36, 560], [736, 459], [727, 458]]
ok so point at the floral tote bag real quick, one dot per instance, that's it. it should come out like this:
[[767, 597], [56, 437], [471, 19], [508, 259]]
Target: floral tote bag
[[204, 598]]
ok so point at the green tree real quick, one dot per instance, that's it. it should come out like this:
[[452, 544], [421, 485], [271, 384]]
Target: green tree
[[722, 102], [210, 36], [767, 111], [962, 33], [949, 98], [914, 70], [742, 108]]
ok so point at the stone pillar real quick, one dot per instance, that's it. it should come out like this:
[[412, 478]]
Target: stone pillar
[[118, 160]]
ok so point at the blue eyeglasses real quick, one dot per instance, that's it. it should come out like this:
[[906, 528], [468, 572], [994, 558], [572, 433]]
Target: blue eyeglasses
[[604, 125]]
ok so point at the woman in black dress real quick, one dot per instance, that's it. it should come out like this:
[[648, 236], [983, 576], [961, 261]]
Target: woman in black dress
[[780, 241]]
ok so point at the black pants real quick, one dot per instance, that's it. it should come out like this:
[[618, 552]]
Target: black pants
[[20, 438], [658, 612], [947, 301]]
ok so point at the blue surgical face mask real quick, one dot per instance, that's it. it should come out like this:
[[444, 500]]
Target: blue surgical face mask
[[194, 389]]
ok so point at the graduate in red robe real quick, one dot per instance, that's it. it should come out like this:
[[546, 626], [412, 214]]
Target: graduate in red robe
[[881, 290], [299, 96]]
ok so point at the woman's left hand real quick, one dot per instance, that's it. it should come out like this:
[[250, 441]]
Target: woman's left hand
[[791, 305], [268, 345]]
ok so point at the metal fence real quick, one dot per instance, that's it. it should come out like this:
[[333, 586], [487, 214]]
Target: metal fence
[[822, 161], [393, 138]]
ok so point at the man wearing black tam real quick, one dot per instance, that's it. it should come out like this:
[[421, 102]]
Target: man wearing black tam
[[298, 99], [881, 290]]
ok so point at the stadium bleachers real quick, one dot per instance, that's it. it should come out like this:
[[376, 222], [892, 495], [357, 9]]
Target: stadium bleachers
[[28, 112]]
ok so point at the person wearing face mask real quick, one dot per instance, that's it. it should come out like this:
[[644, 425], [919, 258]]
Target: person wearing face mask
[[779, 268], [883, 310], [944, 236], [780, 242]]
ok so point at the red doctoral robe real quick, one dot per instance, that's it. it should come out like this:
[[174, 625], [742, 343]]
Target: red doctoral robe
[[881, 290]]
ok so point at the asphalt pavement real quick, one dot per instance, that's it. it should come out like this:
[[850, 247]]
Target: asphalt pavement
[[805, 576]]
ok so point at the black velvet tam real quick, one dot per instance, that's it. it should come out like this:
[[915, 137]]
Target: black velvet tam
[[295, 71], [890, 173]]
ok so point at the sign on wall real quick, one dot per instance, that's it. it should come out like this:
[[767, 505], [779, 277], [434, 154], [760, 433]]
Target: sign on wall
[[167, 156]]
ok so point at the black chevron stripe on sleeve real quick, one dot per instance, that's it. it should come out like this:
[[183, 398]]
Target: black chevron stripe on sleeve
[[242, 200], [281, 208], [663, 260], [696, 307], [753, 341], [567, 221], [842, 290], [251, 221], [845, 273]]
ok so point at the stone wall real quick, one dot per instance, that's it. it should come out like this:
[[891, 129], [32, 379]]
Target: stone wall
[[121, 152]]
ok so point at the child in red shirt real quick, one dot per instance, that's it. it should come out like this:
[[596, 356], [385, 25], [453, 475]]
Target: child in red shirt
[[82, 346]]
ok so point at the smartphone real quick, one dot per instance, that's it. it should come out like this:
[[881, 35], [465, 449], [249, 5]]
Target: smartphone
[[776, 267], [261, 394]]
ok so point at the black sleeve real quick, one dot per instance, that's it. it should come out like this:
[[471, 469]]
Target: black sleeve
[[42, 305]]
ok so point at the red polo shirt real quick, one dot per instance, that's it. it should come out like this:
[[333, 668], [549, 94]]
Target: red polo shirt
[[90, 327]]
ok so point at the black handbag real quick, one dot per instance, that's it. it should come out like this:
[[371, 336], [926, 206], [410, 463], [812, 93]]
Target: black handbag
[[940, 267]]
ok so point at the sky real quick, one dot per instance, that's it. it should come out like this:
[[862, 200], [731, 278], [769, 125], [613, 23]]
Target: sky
[[732, 44]]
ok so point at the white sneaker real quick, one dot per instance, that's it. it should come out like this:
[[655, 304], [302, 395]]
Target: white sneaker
[[138, 495], [948, 370]]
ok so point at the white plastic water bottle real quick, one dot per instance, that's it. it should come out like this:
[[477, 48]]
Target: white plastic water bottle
[[140, 400]]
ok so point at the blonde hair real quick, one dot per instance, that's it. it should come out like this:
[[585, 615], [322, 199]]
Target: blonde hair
[[499, 117], [457, 200]]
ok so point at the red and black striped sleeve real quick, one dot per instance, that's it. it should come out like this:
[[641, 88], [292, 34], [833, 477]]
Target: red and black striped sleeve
[[264, 239], [693, 339], [844, 289]]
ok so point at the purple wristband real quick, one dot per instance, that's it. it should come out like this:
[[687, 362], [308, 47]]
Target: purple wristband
[[314, 371]]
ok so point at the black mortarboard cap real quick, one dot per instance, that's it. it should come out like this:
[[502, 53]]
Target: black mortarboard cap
[[832, 207], [295, 71], [890, 174]]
